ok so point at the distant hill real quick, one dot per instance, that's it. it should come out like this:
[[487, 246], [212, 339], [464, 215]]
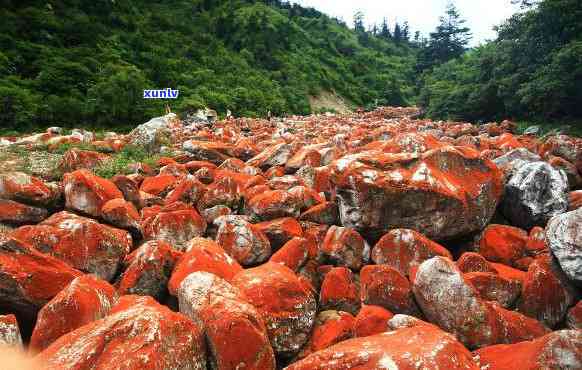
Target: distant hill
[[81, 62]]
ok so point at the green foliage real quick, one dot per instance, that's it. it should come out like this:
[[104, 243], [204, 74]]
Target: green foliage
[[81, 62], [533, 71], [119, 162]]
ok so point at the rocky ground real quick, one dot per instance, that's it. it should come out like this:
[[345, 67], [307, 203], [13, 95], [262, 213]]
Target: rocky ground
[[368, 241]]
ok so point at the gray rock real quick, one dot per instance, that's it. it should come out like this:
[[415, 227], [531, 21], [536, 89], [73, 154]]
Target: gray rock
[[512, 161], [154, 133], [534, 194], [532, 130], [564, 237]]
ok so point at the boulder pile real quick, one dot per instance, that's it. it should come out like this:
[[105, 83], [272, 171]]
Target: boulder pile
[[370, 240]]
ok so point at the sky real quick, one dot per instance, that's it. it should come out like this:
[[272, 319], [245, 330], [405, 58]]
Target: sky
[[422, 15]]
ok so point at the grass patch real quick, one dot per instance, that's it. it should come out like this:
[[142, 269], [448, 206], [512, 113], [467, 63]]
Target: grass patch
[[119, 162]]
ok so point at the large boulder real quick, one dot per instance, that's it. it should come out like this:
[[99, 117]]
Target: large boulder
[[564, 238], [15, 213], [84, 300], [87, 193], [560, 350], [148, 270], [235, 331], [441, 290], [534, 194], [243, 241], [139, 333], [29, 279], [444, 192], [79, 241], [154, 133], [421, 347], [27, 189], [546, 293], [287, 306], [405, 249]]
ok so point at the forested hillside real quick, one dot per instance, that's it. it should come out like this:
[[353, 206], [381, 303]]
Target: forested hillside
[[532, 71], [81, 62]]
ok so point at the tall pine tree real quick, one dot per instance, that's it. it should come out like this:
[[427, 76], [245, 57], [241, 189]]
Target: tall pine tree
[[449, 41]]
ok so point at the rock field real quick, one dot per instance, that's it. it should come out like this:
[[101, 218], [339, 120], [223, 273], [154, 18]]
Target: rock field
[[360, 241]]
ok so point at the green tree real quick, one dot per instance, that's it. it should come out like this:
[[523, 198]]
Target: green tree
[[449, 40]]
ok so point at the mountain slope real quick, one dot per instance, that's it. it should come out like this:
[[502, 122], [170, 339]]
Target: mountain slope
[[87, 62]]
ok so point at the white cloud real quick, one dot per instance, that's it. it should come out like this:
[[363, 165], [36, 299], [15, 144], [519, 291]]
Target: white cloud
[[422, 15]]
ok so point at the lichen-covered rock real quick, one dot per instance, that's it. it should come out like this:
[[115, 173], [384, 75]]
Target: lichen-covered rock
[[123, 214], [493, 287], [9, 332], [534, 194], [340, 290], [440, 290], [280, 231], [384, 286], [404, 249], [79, 241], [300, 255], [474, 262], [424, 347], [15, 213], [558, 350], [243, 241], [203, 255], [564, 238], [29, 279], [159, 185], [502, 243], [574, 317], [286, 305], [148, 270], [513, 160], [273, 204], [87, 193], [546, 294], [235, 332], [324, 213], [187, 190], [331, 327], [27, 189], [275, 155], [372, 320], [139, 333], [444, 192], [344, 246], [175, 224], [86, 299]]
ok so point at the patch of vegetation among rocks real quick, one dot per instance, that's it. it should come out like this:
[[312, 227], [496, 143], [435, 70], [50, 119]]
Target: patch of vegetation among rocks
[[119, 163]]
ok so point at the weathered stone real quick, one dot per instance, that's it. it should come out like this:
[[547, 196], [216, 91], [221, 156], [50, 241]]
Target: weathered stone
[[345, 247], [423, 347], [243, 241], [86, 299], [285, 304], [235, 332], [564, 237], [404, 249], [534, 194], [203, 255], [155, 133], [15, 213], [445, 192], [557, 350], [340, 290], [372, 320], [384, 286], [139, 333], [9, 332], [79, 241], [440, 289], [331, 327], [148, 270], [87, 193]]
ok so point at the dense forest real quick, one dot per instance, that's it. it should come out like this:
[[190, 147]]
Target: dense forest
[[74, 62], [80, 62]]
